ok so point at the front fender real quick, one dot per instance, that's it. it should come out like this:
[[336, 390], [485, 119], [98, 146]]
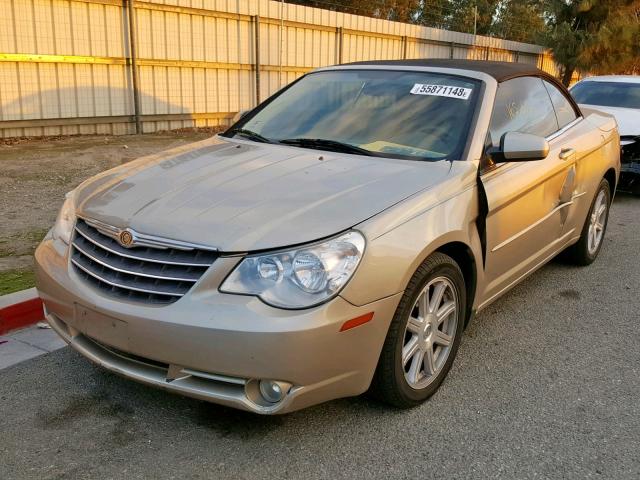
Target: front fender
[[392, 258]]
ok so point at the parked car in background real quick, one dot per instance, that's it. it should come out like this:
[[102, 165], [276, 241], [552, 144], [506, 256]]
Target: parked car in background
[[337, 238], [618, 95]]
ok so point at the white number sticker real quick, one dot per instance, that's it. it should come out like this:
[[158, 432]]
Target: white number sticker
[[442, 91]]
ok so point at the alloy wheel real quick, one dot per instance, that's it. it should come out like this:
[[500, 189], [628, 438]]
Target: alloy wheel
[[430, 332], [597, 223]]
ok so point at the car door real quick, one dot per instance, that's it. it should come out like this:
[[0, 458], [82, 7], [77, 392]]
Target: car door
[[525, 200], [583, 145]]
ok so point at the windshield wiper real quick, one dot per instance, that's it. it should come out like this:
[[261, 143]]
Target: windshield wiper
[[256, 137], [323, 144]]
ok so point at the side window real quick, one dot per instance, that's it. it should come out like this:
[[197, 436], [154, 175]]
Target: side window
[[522, 105], [564, 110]]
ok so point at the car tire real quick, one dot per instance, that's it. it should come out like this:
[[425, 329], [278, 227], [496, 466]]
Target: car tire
[[406, 381], [586, 250]]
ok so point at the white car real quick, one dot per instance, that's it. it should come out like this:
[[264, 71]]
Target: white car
[[618, 95]]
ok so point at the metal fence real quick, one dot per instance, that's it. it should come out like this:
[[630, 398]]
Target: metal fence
[[121, 66]]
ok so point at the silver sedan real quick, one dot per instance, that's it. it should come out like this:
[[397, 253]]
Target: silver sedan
[[336, 239]]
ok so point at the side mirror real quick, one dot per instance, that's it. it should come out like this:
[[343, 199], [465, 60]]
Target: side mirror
[[520, 147]]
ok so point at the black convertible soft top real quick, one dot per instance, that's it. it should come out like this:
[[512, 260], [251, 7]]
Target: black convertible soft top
[[501, 71]]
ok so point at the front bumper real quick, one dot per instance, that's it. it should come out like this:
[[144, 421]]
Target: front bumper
[[630, 167], [215, 346], [630, 164], [630, 148]]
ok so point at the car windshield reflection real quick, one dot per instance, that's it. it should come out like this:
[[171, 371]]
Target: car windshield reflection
[[398, 114]]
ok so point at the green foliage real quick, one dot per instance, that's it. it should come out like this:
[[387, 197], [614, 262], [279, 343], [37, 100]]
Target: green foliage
[[396, 10], [434, 13], [16, 280], [597, 36], [521, 21]]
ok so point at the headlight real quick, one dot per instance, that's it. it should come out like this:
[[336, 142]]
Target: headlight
[[66, 218], [301, 277]]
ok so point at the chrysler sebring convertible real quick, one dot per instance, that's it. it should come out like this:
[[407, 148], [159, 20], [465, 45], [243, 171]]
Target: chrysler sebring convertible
[[336, 239]]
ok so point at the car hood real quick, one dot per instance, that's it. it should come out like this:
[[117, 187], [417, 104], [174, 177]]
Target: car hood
[[242, 196], [627, 118]]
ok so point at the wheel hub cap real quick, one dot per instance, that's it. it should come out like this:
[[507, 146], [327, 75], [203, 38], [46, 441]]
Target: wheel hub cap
[[427, 330]]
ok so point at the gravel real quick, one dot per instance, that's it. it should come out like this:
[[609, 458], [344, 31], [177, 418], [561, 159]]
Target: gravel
[[38, 172]]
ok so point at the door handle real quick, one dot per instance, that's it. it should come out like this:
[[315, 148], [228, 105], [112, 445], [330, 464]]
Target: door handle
[[567, 153]]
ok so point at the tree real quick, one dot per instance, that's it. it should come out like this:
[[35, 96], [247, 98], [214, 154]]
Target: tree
[[520, 20], [434, 13], [464, 19], [396, 10], [598, 36]]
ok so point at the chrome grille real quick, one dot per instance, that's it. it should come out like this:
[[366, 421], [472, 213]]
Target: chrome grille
[[146, 274]]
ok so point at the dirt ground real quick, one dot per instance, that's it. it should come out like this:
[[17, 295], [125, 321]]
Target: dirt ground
[[35, 174]]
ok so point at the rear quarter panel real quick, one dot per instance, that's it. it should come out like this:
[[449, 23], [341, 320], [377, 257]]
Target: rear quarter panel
[[605, 126], [597, 146]]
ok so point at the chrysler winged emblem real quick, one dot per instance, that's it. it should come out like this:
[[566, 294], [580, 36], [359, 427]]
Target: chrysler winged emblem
[[125, 237]]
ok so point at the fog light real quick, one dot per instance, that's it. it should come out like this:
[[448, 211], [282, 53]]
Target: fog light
[[272, 391]]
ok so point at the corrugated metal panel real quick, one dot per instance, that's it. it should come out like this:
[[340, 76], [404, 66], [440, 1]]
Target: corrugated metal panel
[[66, 60]]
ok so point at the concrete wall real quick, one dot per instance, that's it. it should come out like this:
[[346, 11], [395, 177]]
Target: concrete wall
[[65, 66]]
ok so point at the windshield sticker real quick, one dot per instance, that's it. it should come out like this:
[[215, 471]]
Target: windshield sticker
[[442, 91]]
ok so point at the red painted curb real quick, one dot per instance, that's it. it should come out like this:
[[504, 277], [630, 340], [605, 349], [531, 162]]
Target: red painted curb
[[20, 315]]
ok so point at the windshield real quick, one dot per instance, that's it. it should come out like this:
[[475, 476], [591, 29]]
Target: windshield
[[413, 115], [607, 94]]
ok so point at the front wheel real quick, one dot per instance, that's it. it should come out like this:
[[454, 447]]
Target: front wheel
[[424, 334], [592, 237]]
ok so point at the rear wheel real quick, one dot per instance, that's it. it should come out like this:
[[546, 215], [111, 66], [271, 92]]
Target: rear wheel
[[424, 334], [586, 250]]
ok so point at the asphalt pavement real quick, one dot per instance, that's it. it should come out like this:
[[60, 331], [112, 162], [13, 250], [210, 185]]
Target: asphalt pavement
[[546, 385]]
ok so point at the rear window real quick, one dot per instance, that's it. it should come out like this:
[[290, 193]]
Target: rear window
[[607, 94], [564, 110]]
